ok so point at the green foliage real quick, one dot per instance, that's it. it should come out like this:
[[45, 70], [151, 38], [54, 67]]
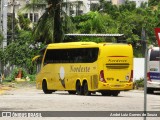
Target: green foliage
[[139, 83], [49, 26], [14, 74], [32, 77], [21, 51], [125, 19], [127, 6], [153, 2], [9, 30], [1, 37], [44, 29], [24, 22], [94, 22], [68, 25]]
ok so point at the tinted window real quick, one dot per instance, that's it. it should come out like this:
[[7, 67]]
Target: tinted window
[[155, 55], [78, 55]]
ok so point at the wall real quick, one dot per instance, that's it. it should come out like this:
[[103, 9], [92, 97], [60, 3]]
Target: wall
[[138, 68]]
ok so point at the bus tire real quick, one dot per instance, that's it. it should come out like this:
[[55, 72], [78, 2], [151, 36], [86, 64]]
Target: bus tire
[[45, 89], [106, 93], [115, 93], [85, 89], [79, 89]]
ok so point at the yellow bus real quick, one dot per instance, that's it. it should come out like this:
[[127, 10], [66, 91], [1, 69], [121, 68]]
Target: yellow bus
[[86, 67]]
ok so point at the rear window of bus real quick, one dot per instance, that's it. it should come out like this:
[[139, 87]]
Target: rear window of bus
[[155, 55]]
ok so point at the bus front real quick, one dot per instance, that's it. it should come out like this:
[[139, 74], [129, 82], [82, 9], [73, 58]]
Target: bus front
[[116, 68]]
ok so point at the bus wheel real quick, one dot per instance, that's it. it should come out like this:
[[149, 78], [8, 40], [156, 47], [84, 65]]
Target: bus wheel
[[72, 92], [115, 93], [85, 89], [79, 89], [44, 88]]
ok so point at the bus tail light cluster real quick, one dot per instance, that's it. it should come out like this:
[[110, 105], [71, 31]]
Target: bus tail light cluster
[[131, 78], [148, 76], [102, 79]]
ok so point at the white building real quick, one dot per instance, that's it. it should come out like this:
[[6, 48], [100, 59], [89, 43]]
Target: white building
[[15, 5], [138, 2], [138, 68], [73, 7], [77, 7]]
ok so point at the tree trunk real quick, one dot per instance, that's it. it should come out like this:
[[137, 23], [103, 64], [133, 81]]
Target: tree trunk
[[57, 24]]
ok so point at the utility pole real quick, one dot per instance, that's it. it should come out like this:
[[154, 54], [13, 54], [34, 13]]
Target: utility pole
[[1, 16], [3, 28], [4, 24], [65, 17], [145, 50], [13, 19], [33, 16], [90, 4]]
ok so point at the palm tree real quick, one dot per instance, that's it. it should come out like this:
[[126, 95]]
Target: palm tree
[[57, 24], [49, 26]]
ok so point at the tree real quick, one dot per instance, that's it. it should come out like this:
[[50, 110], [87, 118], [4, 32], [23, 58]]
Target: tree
[[24, 23], [125, 19], [49, 26], [94, 22], [153, 2], [21, 51], [1, 37]]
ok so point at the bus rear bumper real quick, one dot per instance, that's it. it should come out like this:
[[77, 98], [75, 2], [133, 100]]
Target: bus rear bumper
[[153, 85], [121, 87]]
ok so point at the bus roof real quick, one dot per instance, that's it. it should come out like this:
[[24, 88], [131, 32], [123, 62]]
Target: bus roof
[[79, 45], [71, 45], [155, 48]]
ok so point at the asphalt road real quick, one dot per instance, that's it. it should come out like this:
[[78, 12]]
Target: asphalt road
[[31, 99]]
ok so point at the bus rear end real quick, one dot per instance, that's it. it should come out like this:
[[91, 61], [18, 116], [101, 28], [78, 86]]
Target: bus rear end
[[116, 71], [153, 71]]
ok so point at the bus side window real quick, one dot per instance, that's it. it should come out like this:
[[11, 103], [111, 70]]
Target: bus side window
[[78, 59], [80, 55]]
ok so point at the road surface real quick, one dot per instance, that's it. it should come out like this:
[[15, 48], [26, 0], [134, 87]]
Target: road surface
[[31, 99]]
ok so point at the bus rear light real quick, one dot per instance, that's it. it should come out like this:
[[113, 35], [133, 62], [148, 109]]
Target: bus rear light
[[148, 76], [131, 78], [102, 79]]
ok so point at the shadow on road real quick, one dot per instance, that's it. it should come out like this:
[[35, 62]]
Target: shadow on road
[[155, 93]]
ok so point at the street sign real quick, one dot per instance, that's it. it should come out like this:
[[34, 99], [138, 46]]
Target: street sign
[[157, 32]]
